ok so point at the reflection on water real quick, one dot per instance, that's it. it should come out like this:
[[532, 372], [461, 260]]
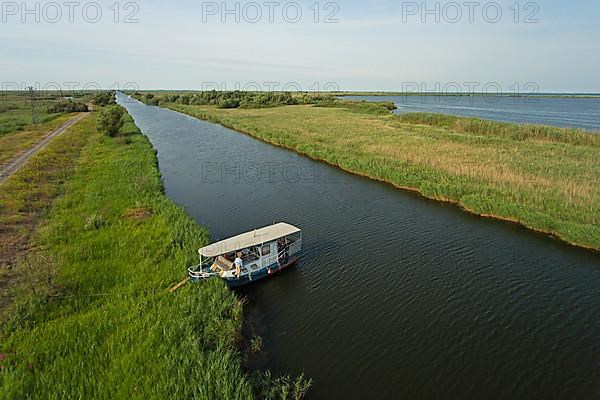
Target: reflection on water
[[396, 296]]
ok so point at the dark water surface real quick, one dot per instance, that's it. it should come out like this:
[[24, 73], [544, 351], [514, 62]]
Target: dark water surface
[[396, 297], [569, 112]]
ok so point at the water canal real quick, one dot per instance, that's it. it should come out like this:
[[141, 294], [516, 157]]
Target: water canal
[[396, 296]]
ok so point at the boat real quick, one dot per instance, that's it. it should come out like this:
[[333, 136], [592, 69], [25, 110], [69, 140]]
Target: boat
[[251, 256]]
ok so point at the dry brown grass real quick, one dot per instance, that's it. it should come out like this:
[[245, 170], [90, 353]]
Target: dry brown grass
[[137, 214], [485, 165]]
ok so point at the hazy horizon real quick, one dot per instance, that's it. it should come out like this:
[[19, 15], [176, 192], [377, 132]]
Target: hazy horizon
[[445, 46]]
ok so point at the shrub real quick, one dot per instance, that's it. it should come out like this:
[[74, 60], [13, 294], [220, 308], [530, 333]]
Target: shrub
[[149, 99], [104, 98], [110, 120], [94, 222], [229, 103], [230, 99], [67, 107]]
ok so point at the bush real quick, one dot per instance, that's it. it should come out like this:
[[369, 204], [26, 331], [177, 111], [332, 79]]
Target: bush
[[150, 100], [229, 103], [104, 98], [110, 120], [67, 107]]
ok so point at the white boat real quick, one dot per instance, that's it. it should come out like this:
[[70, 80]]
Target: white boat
[[251, 256]]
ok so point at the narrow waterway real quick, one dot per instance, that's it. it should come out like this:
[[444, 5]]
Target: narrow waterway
[[396, 296]]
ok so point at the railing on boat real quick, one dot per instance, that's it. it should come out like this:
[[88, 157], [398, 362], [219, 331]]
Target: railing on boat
[[295, 247], [197, 273]]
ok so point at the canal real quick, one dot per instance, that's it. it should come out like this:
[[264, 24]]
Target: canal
[[396, 296]]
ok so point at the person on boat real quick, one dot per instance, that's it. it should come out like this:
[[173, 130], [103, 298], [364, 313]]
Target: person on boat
[[286, 250], [239, 264], [282, 249]]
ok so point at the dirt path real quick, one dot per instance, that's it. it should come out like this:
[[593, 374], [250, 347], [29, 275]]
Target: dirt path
[[23, 206], [14, 165]]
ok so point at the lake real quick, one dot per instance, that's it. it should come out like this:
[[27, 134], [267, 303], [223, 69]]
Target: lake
[[570, 112], [396, 296]]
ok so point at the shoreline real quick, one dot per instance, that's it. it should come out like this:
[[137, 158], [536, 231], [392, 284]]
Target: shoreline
[[476, 94]]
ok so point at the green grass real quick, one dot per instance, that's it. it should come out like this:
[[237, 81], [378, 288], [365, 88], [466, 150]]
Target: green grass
[[477, 126], [542, 177], [17, 130], [93, 317], [15, 143], [15, 111], [27, 196]]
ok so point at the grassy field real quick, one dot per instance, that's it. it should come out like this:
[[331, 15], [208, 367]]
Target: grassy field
[[542, 177], [15, 109], [14, 143], [27, 197], [16, 114], [92, 316], [17, 130]]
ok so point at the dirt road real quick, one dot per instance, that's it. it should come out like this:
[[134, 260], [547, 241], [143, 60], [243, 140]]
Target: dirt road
[[14, 165]]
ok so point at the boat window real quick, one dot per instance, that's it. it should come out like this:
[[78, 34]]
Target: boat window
[[251, 254], [266, 250], [293, 238]]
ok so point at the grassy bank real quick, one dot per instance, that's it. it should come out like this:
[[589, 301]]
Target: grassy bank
[[92, 316], [542, 177]]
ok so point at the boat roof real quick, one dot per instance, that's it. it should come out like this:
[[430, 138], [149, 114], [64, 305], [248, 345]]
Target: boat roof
[[249, 239]]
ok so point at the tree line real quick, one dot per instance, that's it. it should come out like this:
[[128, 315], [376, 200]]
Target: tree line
[[247, 100], [231, 99]]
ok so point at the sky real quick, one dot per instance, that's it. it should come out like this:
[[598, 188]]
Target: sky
[[371, 45]]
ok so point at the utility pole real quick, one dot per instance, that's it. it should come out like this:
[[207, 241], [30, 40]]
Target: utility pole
[[32, 94]]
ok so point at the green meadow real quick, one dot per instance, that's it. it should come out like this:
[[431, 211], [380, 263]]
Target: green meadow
[[544, 178], [90, 313], [15, 109], [16, 112], [19, 130]]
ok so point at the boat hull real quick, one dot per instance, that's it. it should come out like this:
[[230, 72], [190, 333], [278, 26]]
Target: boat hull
[[262, 274]]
